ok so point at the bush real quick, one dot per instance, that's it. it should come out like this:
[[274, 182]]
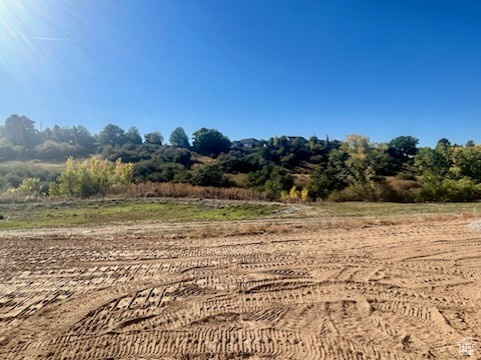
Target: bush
[[406, 191], [373, 191], [91, 177], [51, 150], [305, 194], [12, 173], [274, 179], [30, 187], [237, 161], [149, 170], [209, 175], [464, 189], [294, 194], [406, 176]]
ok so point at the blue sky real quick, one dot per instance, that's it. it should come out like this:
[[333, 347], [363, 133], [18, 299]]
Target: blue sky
[[250, 68]]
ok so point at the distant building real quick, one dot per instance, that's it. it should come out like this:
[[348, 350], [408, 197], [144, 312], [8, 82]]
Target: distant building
[[297, 139], [246, 144]]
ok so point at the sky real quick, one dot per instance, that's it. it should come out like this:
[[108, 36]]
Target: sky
[[249, 68]]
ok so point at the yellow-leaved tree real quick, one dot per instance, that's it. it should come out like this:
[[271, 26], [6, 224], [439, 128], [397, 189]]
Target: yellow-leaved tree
[[91, 177]]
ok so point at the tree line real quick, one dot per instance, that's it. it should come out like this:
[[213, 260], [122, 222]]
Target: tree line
[[287, 167]]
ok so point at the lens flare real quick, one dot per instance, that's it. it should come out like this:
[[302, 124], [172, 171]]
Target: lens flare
[[28, 32]]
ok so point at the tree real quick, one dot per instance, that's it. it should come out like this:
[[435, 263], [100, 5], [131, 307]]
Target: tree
[[365, 160], [313, 142], [82, 137], [274, 179], [91, 177], [443, 143], [279, 180], [20, 130], [154, 138], [403, 148], [434, 166], [179, 138], [112, 135], [466, 162], [318, 186], [210, 142], [62, 134], [133, 136], [47, 134]]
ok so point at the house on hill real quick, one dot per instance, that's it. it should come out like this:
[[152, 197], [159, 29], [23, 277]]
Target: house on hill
[[246, 144]]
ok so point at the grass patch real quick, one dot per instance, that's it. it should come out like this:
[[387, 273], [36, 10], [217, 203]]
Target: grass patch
[[359, 209], [102, 212], [115, 211]]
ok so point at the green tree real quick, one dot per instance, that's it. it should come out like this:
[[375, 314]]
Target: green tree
[[319, 184], [466, 162], [403, 148], [210, 142], [279, 180], [47, 134], [435, 162], [112, 135], [365, 160], [271, 178], [62, 134], [154, 138], [443, 143], [133, 136], [20, 130], [81, 136], [179, 138]]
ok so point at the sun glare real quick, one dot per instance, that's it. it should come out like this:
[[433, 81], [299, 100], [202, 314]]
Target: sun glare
[[25, 26]]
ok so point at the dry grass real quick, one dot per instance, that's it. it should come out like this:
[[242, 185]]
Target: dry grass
[[296, 225], [171, 190], [394, 220]]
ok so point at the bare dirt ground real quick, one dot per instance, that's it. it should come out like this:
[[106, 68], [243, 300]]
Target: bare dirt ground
[[406, 290]]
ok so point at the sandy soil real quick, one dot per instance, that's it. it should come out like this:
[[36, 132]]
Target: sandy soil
[[402, 291]]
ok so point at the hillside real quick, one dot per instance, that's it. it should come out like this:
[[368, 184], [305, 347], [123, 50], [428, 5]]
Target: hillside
[[282, 167]]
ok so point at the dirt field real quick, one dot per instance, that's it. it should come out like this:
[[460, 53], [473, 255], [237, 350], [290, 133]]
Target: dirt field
[[387, 291]]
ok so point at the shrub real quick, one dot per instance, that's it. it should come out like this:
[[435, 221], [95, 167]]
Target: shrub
[[91, 177], [30, 187], [305, 194], [274, 179], [406, 176], [464, 189], [149, 170], [209, 175], [294, 194]]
